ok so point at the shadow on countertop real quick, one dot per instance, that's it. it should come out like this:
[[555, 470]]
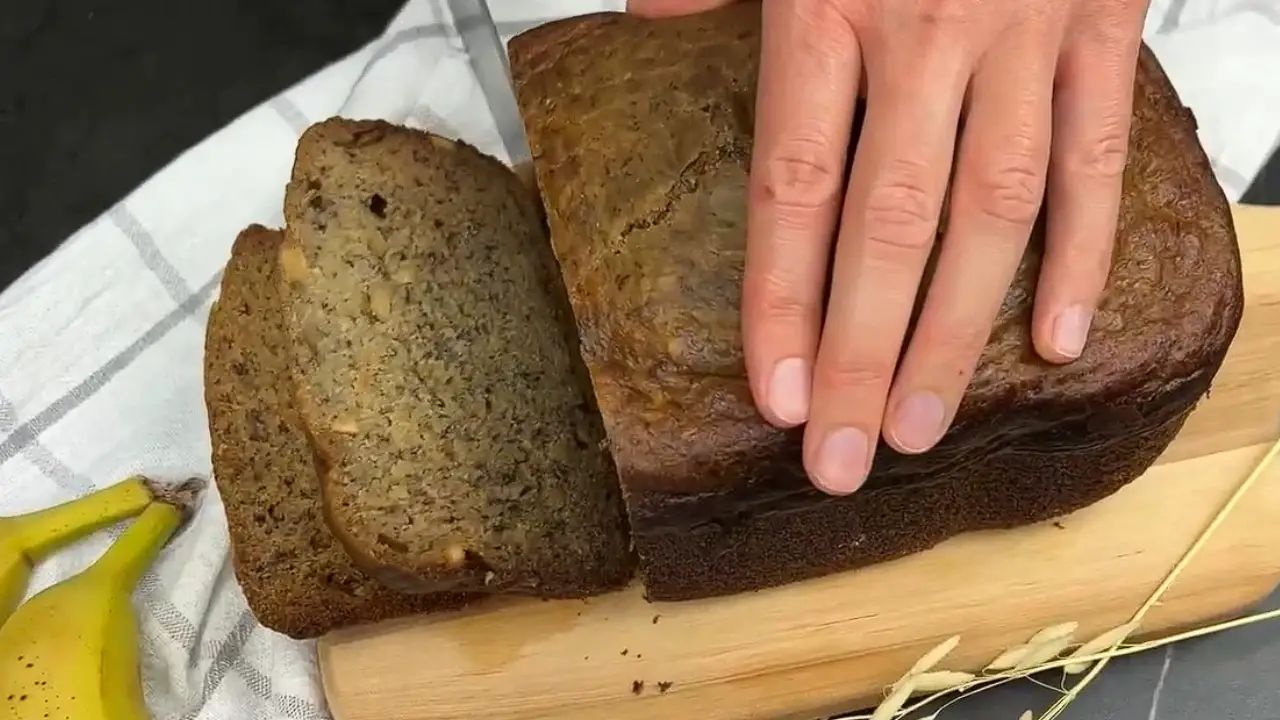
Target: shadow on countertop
[[96, 96]]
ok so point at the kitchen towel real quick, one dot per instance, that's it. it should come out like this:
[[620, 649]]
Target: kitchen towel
[[101, 343]]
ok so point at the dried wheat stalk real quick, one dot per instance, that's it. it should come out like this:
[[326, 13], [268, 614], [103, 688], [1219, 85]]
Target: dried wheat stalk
[[1044, 650], [1061, 705], [1105, 641]]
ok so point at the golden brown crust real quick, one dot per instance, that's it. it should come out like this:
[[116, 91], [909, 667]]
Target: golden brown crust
[[296, 578], [649, 228]]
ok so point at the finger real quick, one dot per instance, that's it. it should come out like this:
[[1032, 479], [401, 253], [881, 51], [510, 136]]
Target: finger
[[668, 8], [890, 216], [810, 61], [995, 197], [1092, 107]]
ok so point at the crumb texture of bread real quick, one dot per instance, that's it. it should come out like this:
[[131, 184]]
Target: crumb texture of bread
[[296, 578], [641, 133], [436, 370]]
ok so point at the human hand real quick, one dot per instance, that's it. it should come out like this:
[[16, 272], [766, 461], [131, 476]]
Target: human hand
[[1047, 87]]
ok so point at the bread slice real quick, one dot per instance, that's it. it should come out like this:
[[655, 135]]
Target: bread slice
[[644, 182], [437, 372], [296, 577]]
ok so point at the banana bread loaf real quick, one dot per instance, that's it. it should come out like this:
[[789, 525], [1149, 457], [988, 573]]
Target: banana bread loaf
[[641, 132], [436, 371], [296, 577]]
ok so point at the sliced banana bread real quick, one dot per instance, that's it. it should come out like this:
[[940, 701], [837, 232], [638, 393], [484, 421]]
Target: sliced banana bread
[[437, 370], [296, 577]]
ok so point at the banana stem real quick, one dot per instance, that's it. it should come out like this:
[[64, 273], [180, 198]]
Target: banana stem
[[130, 556], [39, 533]]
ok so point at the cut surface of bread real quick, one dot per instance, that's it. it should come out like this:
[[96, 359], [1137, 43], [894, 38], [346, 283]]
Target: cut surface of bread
[[437, 374], [641, 132], [296, 578]]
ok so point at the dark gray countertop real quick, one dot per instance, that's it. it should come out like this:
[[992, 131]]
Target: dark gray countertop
[[95, 96], [1229, 676]]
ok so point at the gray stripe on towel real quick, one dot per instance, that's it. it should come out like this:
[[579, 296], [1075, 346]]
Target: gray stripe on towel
[[25, 434]]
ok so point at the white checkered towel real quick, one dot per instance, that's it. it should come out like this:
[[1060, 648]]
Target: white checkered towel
[[100, 344]]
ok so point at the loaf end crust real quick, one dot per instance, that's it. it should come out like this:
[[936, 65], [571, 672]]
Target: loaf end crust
[[296, 578], [641, 135], [436, 367]]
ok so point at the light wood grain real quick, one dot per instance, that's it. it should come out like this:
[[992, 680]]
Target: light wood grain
[[829, 645]]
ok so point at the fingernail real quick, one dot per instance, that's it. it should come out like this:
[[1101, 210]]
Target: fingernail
[[842, 461], [789, 391], [917, 422], [1070, 330]]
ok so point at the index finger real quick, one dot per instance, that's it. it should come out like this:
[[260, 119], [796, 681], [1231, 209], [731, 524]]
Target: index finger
[[810, 63]]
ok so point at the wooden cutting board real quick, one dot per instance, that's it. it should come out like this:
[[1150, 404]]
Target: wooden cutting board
[[830, 645]]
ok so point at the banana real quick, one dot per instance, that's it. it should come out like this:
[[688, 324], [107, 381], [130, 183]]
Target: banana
[[28, 539], [71, 651]]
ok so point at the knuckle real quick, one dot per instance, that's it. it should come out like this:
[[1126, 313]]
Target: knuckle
[[1104, 155], [849, 374], [777, 300], [803, 175], [900, 211], [1013, 189]]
